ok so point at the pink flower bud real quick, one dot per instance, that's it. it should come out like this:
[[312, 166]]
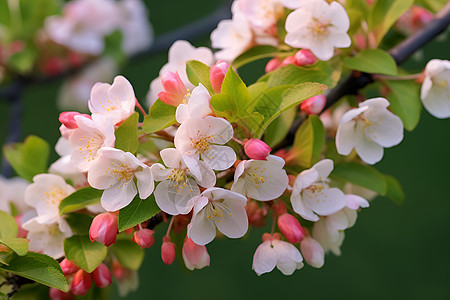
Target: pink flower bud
[[102, 276], [68, 267], [312, 252], [304, 57], [81, 283], [21, 233], [168, 251], [256, 149], [55, 294], [144, 238], [273, 64], [291, 228], [217, 74], [314, 105], [290, 60], [194, 256], [279, 208], [174, 89], [118, 270], [104, 228], [67, 118]]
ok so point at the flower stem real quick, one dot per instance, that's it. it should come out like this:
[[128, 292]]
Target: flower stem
[[170, 226], [138, 105]]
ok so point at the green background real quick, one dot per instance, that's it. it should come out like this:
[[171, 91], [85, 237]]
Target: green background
[[393, 252]]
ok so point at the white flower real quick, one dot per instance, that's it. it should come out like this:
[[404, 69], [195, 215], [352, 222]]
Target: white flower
[[319, 27], [262, 15], [202, 138], [45, 194], [178, 187], [435, 93], [116, 101], [47, 238], [221, 209], [312, 252], [261, 179], [293, 4], [179, 53], [114, 171], [368, 129], [273, 252], [197, 106], [88, 138], [232, 36], [311, 194], [12, 192]]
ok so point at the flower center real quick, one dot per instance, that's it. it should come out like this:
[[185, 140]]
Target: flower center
[[123, 172], [202, 144], [319, 28], [216, 210], [54, 195]]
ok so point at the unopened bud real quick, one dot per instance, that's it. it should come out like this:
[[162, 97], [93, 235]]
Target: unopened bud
[[194, 256], [273, 64], [68, 267], [67, 118], [174, 89], [55, 294], [279, 208], [168, 251], [312, 252], [217, 74], [291, 228], [304, 57], [144, 238], [256, 149], [81, 283], [314, 105], [102, 276], [290, 60], [104, 228]]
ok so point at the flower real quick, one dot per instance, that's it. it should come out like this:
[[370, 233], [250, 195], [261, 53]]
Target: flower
[[261, 179], [114, 171], [144, 238], [116, 101], [194, 256], [262, 15], [12, 192], [435, 93], [291, 228], [168, 251], [368, 129], [217, 74], [274, 252], [197, 105], [81, 283], [314, 105], [104, 228], [174, 92], [319, 27], [102, 276], [256, 149], [202, 138], [312, 252], [221, 209], [311, 196]]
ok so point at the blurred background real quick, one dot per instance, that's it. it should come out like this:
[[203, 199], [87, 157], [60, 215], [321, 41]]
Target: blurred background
[[393, 251]]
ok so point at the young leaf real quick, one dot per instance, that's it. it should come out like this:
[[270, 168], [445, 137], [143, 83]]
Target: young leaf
[[198, 72], [8, 226], [137, 211], [361, 175], [18, 245], [80, 223], [255, 53], [161, 116], [40, 268], [235, 88], [308, 142], [374, 61], [394, 189], [86, 254], [129, 254], [5, 258], [224, 107], [79, 200], [126, 134], [279, 128], [28, 158], [405, 101]]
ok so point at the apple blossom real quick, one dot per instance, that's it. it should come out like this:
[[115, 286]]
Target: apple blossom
[[104, 228], [144, 238], [368, 129], [67, 118], [276, 253], [116, 101], [12, 193], [202, 138], [261, 179], [217, 74], [290, 227], [174, 92], [102, 276], [68, 267], [319, 27], [435, 93], [114, 171], [178, 187], [262, 15], [194, 256], [81, 283], [256, 149], [304, 57], [273, 64], [221, 209], [197, 105], [314, 105], [311, 195], [312, 252], [168, 251]]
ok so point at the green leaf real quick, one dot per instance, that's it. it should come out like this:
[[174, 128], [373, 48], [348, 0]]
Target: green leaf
[[394, 189], [235, 88], [23, 61], [29, 158], [405, 101], [32, 291], [361, 175], [358, 5], [198, 72], [40, 268], [385, 13], [308, 142], [3, 296], [374, 61], [18, 245], [255, 53], [161, 116], [224, 107], [79, 200], [8, 226], [79, 223], [5, 258], [113, 47], [126, 134], [86, 254], [129, 254], [279, 128], [137, 211]]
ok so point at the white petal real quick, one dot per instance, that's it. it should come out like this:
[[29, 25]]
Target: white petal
[[323, 168], [299, 207], [369, 151], [234, 223], [289, 258], [171, 157], [264, 259], [208, 176], [345, 137], [312, 252], [201, 230], [144, 182], [326, 201], [219, 157], [386, 129], [118, 196], [220, 129]]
